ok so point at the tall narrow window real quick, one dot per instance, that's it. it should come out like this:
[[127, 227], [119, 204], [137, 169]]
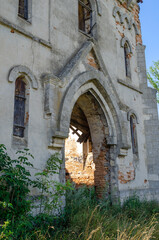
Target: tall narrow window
[[23, 9], [133, 134], [85, 16], [127, 60], [19, 108]]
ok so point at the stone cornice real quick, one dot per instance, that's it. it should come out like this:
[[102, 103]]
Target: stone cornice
[[20, 30]]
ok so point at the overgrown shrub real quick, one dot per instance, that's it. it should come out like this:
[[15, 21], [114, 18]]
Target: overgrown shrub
[[83, 218], [15, 181], [15, 184], [51, 191]]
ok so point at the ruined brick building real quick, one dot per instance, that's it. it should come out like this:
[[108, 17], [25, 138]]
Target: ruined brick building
[[80, 64]]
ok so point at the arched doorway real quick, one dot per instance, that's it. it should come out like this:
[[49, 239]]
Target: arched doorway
[[89, 123], [93, 93]]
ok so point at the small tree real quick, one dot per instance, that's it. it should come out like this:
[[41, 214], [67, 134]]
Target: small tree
[[153, 77]]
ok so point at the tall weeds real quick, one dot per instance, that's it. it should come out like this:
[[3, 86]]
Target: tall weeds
[[89, 219]]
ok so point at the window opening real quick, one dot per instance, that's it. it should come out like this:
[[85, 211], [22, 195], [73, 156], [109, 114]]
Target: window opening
[[133, 134], [19, 108], [85, 16], [23, 9], [127, 60]]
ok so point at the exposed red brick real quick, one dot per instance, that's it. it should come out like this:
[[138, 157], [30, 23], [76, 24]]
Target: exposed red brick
[[126, 174], [92, 61], [135, 12]]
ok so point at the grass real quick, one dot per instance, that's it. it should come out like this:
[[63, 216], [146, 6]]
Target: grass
[[85, 218]]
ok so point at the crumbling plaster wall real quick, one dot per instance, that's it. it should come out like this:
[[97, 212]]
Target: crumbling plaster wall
[[21, 47], [46, 45], [109, 40]]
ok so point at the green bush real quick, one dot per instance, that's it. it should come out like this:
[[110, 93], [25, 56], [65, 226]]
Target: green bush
[[83, 218], [14, 183]]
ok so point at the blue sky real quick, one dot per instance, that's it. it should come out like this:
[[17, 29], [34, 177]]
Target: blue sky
[[149, 17]]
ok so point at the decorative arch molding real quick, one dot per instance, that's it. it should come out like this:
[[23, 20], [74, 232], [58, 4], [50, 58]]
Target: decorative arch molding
[[130, 3], [117, 10], [96, 84], [20, 70], [133, 23], [123, 16], [125, 40], [132, 113]]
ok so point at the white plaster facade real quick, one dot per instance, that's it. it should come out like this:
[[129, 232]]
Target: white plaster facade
[[51, 52]]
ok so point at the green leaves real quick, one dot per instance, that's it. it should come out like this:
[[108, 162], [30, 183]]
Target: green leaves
[[5, 233], [153, 77], [53, 164], [15, 185], [15, 181], [51, 192]]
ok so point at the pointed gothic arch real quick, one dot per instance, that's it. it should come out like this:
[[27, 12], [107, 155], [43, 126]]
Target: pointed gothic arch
[[107, 147], [81, 84], [124, 41]]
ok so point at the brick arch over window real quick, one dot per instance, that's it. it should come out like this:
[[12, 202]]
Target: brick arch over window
[[20, 70]]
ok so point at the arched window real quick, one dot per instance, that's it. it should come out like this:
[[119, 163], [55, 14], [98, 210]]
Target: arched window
[[23, 9], [19, 107], [85, 16], [25, 83], [133, 134], [127, 60]]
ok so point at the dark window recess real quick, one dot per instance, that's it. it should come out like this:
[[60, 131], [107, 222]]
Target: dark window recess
[[133, 135], [19, 108], [127, 61], [23, 9], [85, 16]]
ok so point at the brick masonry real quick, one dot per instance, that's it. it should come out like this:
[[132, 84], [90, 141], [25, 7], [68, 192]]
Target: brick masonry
[[61, 66]]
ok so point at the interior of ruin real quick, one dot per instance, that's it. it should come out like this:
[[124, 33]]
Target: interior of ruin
[[86, 150]]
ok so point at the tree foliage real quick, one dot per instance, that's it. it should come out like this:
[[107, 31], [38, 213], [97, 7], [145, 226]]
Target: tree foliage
[[16, 204], [153, 77]]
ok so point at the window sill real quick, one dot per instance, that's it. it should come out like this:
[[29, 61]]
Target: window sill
[[89, 36], [129, 85], [26, 21], [18, 142], [128, 79]]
